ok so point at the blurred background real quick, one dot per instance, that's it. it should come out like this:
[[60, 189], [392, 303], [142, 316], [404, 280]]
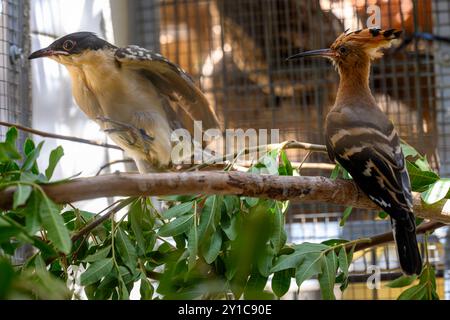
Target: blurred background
[[235, 50]]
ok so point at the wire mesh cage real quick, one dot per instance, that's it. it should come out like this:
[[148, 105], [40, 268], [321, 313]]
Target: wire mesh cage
[[14, 71], [236, 50]]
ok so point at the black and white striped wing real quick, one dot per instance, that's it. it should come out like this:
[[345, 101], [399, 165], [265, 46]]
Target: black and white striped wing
[[171, 81], [374, 158]]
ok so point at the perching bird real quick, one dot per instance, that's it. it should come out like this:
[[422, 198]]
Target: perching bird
[[137, 96], [361, 138]]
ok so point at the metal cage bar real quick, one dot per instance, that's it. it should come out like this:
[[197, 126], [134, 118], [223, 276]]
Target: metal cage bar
[[14, 67]]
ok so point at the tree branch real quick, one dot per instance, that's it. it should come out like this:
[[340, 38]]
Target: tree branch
[[389, 236], [308, 189], [58, 136]]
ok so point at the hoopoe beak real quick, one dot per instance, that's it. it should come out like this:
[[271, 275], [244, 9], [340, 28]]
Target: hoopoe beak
[[327, 53]]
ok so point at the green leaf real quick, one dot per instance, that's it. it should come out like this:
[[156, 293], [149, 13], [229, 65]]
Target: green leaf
[[21, 195], [255, 287], [344, 263], [310, 266], [382, 215], [231, 227], [350, 254], [180, 241], [346, 175], [328, 276], [192, 246], [231, 203], [136, 217], [251, 202], [6, 278], [286, 167], [409, 150], [178, 210], [30, 177], [335, 173], [109, 281], [53, 222], [146, 289], [420, 179], [210, 216], [177, 226], [402, 281], [96, 271], [278, 234], [8, 152], [281, 282], [39, 263], [211, 251], [178, 198], [11, 136], [426, 289], [436, 192], [294, 259], [98, 255], [54, 158], [334, 242], [345, 216], [126, 249], [7, 231], [31, 212], [30, 160], [123, 291], [28, 146], [423, 164], [264, 261], [414, 293]]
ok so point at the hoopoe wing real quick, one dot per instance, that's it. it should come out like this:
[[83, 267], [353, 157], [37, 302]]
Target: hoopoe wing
[[373, 156]]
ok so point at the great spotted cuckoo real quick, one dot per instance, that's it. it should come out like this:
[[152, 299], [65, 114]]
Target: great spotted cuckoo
[[136, 95]]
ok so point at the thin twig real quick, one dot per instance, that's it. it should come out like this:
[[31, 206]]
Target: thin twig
[[112, 163], [389, 236], [283, 145], [59, 136], [91, 226], [303, 161]]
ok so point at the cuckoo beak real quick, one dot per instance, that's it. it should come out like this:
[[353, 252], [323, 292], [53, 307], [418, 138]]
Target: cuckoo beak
[[327, 53], [46, 52]]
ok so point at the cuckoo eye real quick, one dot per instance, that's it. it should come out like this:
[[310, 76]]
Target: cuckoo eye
[[343, 50], [68, 45]]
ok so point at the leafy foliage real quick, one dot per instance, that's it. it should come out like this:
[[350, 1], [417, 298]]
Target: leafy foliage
[[200, 247], [425, 289]]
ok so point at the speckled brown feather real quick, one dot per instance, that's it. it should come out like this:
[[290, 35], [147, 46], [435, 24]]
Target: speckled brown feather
[[172, 81]]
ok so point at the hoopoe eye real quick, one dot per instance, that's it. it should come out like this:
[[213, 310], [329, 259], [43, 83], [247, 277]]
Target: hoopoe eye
[[68, 45], [343, 50]]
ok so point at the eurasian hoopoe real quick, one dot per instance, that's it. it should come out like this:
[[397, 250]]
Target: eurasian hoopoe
[[361, 138]]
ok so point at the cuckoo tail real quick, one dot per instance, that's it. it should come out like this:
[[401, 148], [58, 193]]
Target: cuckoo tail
[[407, 247]]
